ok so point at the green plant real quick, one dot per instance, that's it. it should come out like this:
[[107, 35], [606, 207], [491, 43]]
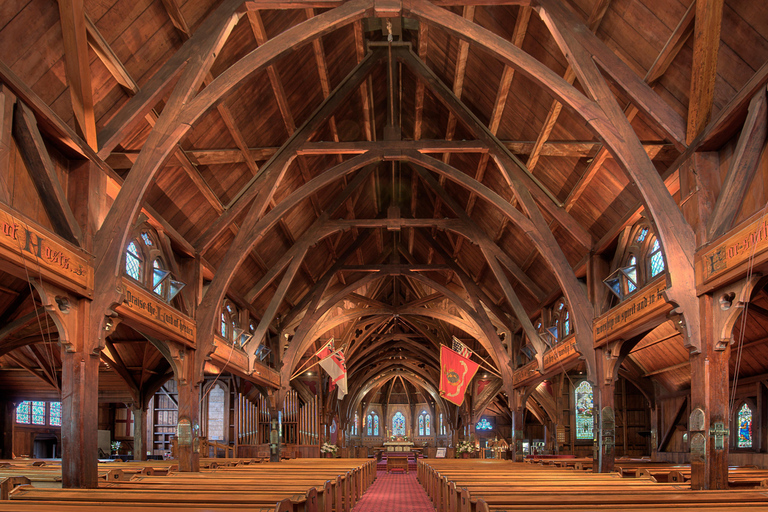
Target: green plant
[[329, 448]]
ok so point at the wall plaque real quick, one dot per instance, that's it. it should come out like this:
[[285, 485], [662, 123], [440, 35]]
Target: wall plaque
[[184, 432], [750, 241], [155, 314], [698, 448], [696, 422]]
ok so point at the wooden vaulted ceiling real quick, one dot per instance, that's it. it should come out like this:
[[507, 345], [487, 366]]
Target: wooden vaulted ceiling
[[231, 142]]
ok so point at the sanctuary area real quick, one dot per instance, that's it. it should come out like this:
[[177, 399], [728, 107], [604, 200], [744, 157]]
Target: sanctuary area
[[383, 255]]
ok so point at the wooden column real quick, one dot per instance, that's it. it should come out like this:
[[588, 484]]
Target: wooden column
[[140, 433], [517, 408], [79, 406], [604, 413], [709, 405], [188, 428], [7, 412]]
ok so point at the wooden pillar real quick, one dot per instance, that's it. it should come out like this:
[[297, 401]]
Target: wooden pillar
[[139, 433], [517, 407], [709, 420], [7, 412], [79, 407], [604, 413], [188, 427]]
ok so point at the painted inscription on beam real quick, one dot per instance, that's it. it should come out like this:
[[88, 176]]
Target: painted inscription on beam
[[29, 245], [636, 311], [155, 314], [553, 357], [748, 242]]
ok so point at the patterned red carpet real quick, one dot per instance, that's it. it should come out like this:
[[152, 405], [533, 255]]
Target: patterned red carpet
[[396, 492]]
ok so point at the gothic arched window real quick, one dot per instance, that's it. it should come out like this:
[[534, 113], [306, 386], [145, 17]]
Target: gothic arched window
[[375, 424], [369, 425], [584, 410], [656, 259], [424, 424], [744, 420], [442, 425], [216, 406], [357, 422], [229, 322], [134, 261], [398, 424], [631, 273]]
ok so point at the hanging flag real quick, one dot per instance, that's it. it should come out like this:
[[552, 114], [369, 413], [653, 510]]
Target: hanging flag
[[336, 366], [461, 348], [456, 373], [325, 350]]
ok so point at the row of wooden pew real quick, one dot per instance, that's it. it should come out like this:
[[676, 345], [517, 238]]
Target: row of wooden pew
[[300, 485], [487, 485], [738, 476]]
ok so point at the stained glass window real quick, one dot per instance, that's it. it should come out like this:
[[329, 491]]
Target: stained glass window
[[146, 238], [398, 424], [223, 326], [38, 413], [357, 422], [421, 424], [657, 259], [566, 323], [642, 234], [442, 425], [369, 425], [632, 274], [375, 424], [133, 261], [483, 424], [23, 412], [584, 418], [745, 427], [55, 416], [427, 426]]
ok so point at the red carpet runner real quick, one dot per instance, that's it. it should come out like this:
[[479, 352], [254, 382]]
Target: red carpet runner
[[396, 492]]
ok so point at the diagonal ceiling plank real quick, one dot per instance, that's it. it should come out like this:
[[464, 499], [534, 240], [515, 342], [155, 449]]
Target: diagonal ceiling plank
[[44, 175], [593, 23], [7, 103], [72, 16], [674, 44], [706, 44], [518, 36]]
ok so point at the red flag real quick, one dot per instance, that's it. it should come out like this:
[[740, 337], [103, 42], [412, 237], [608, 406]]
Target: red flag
[[456, 373]]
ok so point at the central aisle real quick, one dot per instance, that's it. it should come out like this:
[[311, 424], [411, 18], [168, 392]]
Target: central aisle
[[396, 492]]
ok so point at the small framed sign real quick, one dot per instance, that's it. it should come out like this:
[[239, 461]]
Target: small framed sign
[[440, 453]]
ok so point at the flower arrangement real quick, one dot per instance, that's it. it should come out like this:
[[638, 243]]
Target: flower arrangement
[[329, 448], [466, 447], [116, 446]]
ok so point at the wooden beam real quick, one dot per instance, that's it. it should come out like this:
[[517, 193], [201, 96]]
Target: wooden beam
[[282, 159], [104, 52], [44, 176], [7, 102], [160, 83], [706, 43], [72, 16], [744, 165]]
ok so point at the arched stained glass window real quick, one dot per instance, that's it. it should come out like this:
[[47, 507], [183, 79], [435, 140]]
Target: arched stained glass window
[[442, 425], [369, 425], [398, 424], [357, 423], [223, 325], [421, 424], [584, 411], [631, 274], [656, 258], [642, 234], [133, 261], [745, 427], [483, 424], [375, 424], [427, 426], [566, 323]]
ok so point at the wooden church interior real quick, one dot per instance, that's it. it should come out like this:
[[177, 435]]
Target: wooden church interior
[[198, 195]]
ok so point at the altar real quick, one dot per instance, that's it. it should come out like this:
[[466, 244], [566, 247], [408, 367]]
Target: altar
[[398, 446]]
